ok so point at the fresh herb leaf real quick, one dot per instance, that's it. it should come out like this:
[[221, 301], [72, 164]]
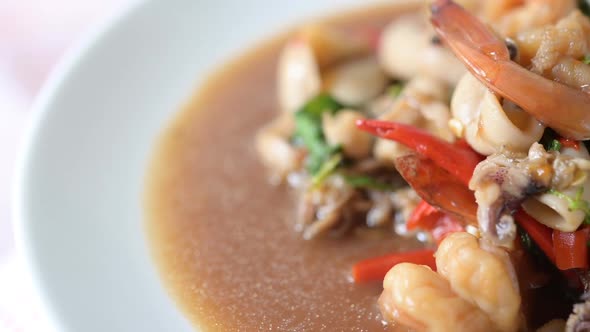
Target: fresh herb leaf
[[576, 203], [367, 182], [395, 89], [326, 169], [316, 106], [308, 130], [584, 6], [586, 59], [549, 135], [555, 145]]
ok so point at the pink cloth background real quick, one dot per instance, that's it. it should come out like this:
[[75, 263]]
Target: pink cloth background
[[33, 35]]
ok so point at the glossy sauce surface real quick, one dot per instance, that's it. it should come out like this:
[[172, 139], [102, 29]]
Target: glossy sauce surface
[[223, 237]]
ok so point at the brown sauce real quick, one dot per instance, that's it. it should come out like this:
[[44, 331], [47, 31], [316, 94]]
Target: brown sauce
[[223, 238]]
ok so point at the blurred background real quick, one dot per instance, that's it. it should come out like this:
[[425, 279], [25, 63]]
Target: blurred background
[[34, 34]]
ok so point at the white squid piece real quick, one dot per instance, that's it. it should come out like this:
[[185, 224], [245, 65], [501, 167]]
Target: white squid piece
[[488, 125], [406, 50], [554, 211], [356, 82]]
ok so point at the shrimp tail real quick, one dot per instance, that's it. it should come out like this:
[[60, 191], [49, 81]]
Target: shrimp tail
[[450, 21], [488, 59]]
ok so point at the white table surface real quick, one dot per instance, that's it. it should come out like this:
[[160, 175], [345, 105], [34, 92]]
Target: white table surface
[[33, 35]]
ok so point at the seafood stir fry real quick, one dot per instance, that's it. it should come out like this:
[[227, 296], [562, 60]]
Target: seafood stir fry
[[466, 129]]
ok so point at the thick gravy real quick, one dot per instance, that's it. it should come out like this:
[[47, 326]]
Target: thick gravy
[[223, 237]]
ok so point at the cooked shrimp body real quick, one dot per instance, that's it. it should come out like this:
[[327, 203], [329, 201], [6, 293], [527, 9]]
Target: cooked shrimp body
[[572, 72], [514, 16], [544, 47], [272, 145], [311, 50], [418, 297], [475, 289], [488, 59], [511, 16], [481, 277], [298, 75]]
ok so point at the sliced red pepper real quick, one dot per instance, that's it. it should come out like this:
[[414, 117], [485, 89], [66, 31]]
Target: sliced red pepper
[[433, 220], [375, 269], [424, 216], [569, 143], [441, 175], [571, 249], [455, 159], [437, 187], [541, 234], [432, 180]]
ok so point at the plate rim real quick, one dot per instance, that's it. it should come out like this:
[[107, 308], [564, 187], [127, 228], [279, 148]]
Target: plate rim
[[39, 111]]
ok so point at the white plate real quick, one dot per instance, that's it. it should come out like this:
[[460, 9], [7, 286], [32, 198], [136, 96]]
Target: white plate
[[80, 179]]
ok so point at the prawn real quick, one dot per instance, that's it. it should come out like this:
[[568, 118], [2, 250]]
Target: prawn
[[417, 297], [487, 57], [512, 17], [485, 278]]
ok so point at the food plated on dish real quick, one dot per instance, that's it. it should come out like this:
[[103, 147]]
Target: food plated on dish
[[390, 169]]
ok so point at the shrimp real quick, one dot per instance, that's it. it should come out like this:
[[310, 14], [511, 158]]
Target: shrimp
[[509, 17], [572, 72], [531, 14], [421, 299], [481, 277], [475, 289], [311, 50], [488, 59], [491, 10], [298, 75], [272, 145], [543, 48]]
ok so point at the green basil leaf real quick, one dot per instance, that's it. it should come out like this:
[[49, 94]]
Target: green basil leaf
[[308, 130]]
